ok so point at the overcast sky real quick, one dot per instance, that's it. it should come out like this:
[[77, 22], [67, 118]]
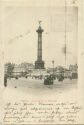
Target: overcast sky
[[20, 37]]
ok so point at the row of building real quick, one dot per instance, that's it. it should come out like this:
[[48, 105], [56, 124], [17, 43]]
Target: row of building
[[28, 68]]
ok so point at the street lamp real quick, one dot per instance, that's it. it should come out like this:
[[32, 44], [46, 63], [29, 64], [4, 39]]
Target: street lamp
[[53, 65]]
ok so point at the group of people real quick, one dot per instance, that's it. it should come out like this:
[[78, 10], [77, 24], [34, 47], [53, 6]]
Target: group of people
[[5, 80], [48, 80]]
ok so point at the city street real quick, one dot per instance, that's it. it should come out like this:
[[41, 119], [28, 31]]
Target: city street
[[34, 87], [30, 83]]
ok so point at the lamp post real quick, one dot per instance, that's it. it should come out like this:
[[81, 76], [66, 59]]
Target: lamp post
[[53, 65]]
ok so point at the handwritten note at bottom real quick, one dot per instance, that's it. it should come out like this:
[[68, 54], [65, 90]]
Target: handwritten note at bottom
[[40, 112]]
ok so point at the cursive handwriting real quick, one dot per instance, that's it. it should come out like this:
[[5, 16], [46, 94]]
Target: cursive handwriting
[[40, 112]]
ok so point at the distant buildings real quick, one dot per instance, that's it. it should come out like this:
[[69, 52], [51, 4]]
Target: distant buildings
[[73, 68], [71, 72], [19, 69], [14, 70]]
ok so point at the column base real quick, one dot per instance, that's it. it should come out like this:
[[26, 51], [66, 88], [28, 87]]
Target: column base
[[39, 64]]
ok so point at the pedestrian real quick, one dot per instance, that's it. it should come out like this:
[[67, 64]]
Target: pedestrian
[[5, 80]]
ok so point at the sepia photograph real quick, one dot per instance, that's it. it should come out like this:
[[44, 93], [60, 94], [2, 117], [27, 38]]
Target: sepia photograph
[[41, 48]]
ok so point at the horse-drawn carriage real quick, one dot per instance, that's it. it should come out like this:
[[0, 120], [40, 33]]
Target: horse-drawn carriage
[[48, 80]]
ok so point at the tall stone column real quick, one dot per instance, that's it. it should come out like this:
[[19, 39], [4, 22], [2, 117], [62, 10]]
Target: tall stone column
[[39, 64]]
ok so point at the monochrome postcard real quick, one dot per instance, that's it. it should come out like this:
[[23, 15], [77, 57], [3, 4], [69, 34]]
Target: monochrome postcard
[[41, 62]]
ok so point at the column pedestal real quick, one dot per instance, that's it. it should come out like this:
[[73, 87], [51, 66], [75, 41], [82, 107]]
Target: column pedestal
[[39, 64]]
